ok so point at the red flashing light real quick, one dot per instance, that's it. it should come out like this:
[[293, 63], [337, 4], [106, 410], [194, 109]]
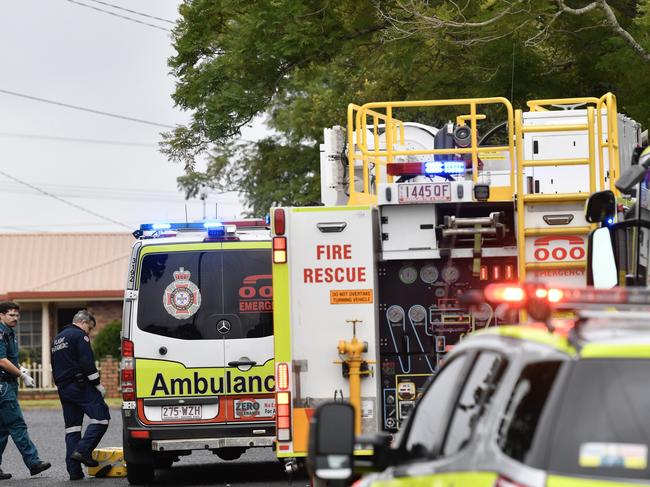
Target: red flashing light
[[510, 272], [500, 293], [127, 348], [279, 222], [496, 272], [484, 273], [405, 168], [254, 222], [140, 434]]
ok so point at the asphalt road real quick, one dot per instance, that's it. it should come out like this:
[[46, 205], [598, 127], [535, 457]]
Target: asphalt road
[[258, 467]]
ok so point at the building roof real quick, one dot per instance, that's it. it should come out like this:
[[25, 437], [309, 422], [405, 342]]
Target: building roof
[[55, 266]]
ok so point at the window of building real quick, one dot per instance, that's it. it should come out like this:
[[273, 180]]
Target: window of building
[[30, 331]]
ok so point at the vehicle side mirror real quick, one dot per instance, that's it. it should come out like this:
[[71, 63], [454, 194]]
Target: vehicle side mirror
[[630, 178], [331, 442], [602, 272], [601, 207]]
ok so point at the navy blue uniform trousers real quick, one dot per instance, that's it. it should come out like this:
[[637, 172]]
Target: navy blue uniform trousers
[[77, 400]]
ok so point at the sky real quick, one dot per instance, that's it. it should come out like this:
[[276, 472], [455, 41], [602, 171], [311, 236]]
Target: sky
[[66, 170]]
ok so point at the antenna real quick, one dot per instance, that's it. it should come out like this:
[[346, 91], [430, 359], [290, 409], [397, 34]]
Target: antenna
[[185, 212]]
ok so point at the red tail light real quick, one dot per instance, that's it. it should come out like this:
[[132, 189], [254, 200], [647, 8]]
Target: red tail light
[[405, 168], [279, 250], [510, 272], [283, 416], [484, 273], [127, 371], [496, 272], [278, 222]]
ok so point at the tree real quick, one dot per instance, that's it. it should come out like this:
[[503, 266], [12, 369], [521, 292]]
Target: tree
[[299, 63], [107, 341]]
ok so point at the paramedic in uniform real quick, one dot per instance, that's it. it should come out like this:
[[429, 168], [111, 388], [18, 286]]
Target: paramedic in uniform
[[11, 418], [77, 380]]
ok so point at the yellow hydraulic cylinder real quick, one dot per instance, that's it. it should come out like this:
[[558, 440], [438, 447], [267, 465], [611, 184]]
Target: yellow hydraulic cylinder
[[357, 367]]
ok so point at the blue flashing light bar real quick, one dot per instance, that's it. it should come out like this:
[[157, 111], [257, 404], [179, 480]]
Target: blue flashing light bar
[[444, 167], [161, 226]]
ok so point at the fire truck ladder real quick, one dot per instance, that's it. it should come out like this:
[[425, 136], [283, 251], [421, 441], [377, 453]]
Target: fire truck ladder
[[594, 119]]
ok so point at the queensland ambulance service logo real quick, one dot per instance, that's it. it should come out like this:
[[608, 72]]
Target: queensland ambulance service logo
[[182, 297]]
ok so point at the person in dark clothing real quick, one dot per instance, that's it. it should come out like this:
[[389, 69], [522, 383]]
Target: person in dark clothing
[[11, 417], [80, 391]]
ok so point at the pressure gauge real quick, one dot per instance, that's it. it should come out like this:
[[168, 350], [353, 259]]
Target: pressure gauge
[[450, 274], [408, 274], [429, 273], [395, 314], [483, 313], [417, 313]]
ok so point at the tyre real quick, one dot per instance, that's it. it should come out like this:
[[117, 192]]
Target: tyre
[[139, 474]]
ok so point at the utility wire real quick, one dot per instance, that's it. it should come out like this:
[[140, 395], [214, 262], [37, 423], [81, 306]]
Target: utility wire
[[120, 16], [74, 205], [84, 109], [132, 11], [74, 139]]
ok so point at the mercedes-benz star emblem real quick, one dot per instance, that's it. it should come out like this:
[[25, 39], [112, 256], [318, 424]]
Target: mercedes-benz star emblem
[[223, 326]]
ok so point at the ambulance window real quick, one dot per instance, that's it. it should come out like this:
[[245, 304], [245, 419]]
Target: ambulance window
[[163, 310], [603, 423], [233, 284], [525, 407], [247, 292], [428, 422], [477, 392]]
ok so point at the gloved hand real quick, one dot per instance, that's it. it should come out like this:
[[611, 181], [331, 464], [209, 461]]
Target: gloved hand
[[27, 379], [101, 389]]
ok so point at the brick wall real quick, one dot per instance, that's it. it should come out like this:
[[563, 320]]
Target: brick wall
[[110, 376], [104, 312]]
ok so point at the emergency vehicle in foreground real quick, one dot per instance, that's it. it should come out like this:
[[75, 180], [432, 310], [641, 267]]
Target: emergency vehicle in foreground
[[521, 406], [366, 287], [197, 343]]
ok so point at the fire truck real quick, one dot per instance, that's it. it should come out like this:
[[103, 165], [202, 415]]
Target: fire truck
[[366, 288]]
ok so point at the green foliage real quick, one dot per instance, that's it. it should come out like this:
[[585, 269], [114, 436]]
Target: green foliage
[[107, 341], [299, 63]]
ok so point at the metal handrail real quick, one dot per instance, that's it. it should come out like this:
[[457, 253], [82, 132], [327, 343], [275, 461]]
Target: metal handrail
[[358, 125]]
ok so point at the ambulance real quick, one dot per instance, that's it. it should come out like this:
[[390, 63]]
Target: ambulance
[[197, 370], [414, 216]]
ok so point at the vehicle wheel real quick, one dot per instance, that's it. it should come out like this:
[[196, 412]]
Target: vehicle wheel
[[229, 453], [139, 474]]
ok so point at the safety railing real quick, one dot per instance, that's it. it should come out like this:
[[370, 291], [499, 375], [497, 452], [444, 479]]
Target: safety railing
[[371, 158], [605, 105]]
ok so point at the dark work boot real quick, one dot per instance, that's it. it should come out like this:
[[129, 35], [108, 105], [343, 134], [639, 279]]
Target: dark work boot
[[39, 467], [86, 460], [4, 476]]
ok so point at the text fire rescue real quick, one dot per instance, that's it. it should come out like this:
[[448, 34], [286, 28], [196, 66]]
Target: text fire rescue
[[332, 273]]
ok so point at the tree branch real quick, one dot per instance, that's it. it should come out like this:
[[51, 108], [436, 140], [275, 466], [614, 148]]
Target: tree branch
[[611, 21]]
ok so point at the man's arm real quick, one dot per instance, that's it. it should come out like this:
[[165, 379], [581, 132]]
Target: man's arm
[[87, 360], [6, 364]]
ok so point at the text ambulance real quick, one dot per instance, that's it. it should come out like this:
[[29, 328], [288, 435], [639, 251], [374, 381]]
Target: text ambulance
[[415, 216], [197, 344]]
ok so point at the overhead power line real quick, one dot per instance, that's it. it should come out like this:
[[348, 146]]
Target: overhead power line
[[132, 11], [118, 15], [84, 109], [75, 139], [69, 203]]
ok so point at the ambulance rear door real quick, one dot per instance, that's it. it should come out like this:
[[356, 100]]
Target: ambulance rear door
[[248, 331]]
